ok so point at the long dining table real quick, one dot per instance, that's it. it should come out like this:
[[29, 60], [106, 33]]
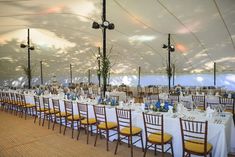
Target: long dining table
[[221, 130]]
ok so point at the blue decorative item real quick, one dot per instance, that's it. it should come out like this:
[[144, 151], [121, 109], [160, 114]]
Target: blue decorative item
[[146, 106], [99, 100], [158, 104], [166, 106]]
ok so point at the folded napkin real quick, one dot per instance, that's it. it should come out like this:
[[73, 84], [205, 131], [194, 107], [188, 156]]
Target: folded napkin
[[209, 112]]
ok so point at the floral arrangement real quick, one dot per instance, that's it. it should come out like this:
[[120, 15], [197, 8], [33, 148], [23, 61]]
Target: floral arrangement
[[158, 107], [108, 101]]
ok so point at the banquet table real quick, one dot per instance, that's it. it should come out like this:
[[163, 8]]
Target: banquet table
[[221, 131]]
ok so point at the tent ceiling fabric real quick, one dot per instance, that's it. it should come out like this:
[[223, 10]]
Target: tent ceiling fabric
[[203, 32]]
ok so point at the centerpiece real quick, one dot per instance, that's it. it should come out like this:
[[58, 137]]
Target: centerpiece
[[160, 107]]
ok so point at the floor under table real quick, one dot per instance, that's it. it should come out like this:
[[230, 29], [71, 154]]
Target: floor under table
[[23, 138]]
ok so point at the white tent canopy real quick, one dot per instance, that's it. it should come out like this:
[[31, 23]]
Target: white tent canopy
[[203, 32]]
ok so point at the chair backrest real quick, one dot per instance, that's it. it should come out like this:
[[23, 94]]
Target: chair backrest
[[83, 110], [124, 118], [13, 97], [199, 100], [153, 124], [69, 108], [228, 103], [7, 96], [100, 114], [23, 100], [56, 105], [194, 131], [213, 105], [46, 103], [187, 104], [173, 98], [37, 102], [18, 99]]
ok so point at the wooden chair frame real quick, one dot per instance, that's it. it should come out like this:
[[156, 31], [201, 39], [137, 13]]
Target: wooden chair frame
[[154, 124], [84, 114], [124, 120], [196, 131], [69, 110], [200, 100], [100, 116]]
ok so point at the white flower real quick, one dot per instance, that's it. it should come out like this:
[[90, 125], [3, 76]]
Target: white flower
[[162, 105]]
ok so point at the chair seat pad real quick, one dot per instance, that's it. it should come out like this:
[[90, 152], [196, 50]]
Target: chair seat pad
[[156, 138], [110, 125], [197, 146], [200, 107], [41, 109], [88, 121], [126, 130], [228, 110], [62, 114], [29, 105], [51, 111], [74, 117]]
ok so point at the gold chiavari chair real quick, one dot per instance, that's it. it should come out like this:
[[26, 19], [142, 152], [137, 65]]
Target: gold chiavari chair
[[70, 117], [103, 126], [39, 109], [199, 101], [155, 135], [126, 129], [27, 106], [87, 122], [194, 138], [58, 115]]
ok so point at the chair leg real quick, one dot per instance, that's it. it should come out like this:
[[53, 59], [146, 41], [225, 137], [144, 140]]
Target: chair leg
[[54, 123], [87, 128], [65, 125], [146, 148], [131, 147], [60, 124], [107, 140], [49, 121], [155, 149], [35, 117], [72, 127], [163, 150], [79, 129], [44, 117], [26, 111], [40, 118], [142, 143], [96, 136], [118, 140], [172, 150]]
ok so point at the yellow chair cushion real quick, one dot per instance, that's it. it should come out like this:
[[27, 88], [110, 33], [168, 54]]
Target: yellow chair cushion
[[126, 130], [200, 107], [197, 147], [229, 110], [29, 105], [51, 111], [88, 121], [156, 138], [74, 117], [110, 125], [42, 109], [62, 114]]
